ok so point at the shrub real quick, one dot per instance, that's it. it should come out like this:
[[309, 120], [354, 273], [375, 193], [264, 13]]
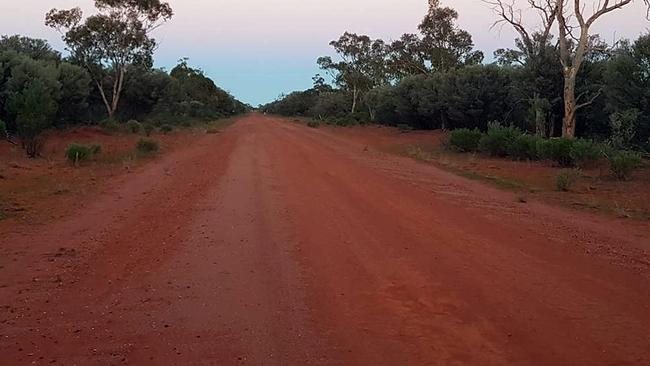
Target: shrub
[[166, 129], [569, 152], [465, 140], [148, 129], [566, 179], [623, 163], [78, 153], [557, 150], [3, 129], [623, 127], [313, 124], [498, 140], [583, 152], [110, 125], [147, 146], [524, 147], [133, 126]]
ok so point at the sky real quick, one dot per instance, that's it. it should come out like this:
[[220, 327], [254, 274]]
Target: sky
[[259, 49]]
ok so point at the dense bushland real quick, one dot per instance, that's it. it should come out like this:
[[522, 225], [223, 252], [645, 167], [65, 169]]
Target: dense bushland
[[435, 79], [107, 72]]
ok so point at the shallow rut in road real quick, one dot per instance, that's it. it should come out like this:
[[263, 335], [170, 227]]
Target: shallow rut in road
[[275, 244]]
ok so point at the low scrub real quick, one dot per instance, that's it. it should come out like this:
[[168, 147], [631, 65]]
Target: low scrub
[[557, 150], [148, 128], [110, 125], [498, 140], [78, 153], [524, 147], [569, 152], [584, 152], [623, 163], [166, 128], [147, 146], [511, 142], [3, 130], [566, 179], [133, 126], [465, 140], [313, 124]]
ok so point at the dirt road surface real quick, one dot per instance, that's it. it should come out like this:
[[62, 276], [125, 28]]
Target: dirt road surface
[[275, 244]]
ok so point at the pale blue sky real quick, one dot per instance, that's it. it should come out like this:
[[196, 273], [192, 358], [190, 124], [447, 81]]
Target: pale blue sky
[[258, 49]]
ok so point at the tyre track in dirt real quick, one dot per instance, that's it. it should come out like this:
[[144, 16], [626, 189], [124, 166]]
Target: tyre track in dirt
[[275, 244]]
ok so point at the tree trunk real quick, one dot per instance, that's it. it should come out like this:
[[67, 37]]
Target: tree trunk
[[354, 99], [118, 84], [372, 113], [569, 121]]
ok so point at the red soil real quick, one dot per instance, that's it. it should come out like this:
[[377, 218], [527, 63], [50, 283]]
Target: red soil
[[275, 244]]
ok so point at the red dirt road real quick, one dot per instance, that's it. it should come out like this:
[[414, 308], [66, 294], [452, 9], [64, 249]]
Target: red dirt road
[[274, 244]]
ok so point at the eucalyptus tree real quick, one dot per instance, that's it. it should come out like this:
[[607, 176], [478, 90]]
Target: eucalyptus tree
[[362, 66], [108, 43], [575, 40], [439, 47]]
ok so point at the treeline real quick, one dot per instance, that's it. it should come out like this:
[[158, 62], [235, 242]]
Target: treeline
[[107, 78], [436, 79]]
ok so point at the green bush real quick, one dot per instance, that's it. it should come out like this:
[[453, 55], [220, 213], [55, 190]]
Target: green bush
[[524, 147], [623, 163], [465, 140], [110, 125], [557, 150], [133, 126], [166, 129], [566, 179], [3, 129], [569, 152], [584, 152], [313, 124], [498, 140], [148, 129], [147, 146], [78, 153]]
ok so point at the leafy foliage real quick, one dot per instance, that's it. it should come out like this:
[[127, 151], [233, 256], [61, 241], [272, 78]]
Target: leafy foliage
[[109, 42], [133, 126], [147, 146], [566, 179], [32, 93], [623, 163], [465, 140], [78, 153], [149, 129], [499, 140]]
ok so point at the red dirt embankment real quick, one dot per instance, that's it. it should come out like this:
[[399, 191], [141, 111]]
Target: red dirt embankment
[[275, 244]]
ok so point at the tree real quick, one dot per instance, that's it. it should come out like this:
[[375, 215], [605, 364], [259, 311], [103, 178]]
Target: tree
[[440, 46], [573, 49], [444, 45], [32, 92], [75, 89], [38, 49], [113, 40], [363, 64]]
